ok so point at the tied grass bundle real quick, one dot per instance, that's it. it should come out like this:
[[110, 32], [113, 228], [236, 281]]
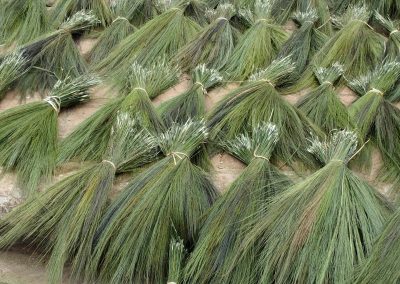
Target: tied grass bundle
[[54, 56], [259, 182], [322, 105], [89, 140], [177, 253], [356, 45], [383, 265], [190, 104], [377, 118], [258, 46], [258, 100], [63, 219], [137, 12], [318, 230], [12, 67], [66, 8], [214, 44], [163, 36], [323, 23], [22, 21], [119, 29], [28, 133], [303, 43], [170, 198], [392, 46]]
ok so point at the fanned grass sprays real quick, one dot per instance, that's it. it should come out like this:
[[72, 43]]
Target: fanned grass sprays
[[22, 21], [322, 105], [90, 139], [62, 220], [177, 255], [162, 36], [169, 199], [392, 46], [29, 133], [214, 44], [119, 29], [66, 8], [356, 45], [383, 265], [377, 118], [258, 100], [258, 46], [251, 191], [12, 67], [190, 104], [318, 230], [54, 55]]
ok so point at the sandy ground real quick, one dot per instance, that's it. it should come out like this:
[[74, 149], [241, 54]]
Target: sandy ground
[[19, 267]]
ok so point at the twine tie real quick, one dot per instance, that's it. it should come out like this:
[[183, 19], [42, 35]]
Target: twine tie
[[379, 92], [178, 155], [201, 86], [109, 162], [55, 102]]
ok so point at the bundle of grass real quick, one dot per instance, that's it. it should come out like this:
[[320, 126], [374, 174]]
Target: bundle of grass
[[22, 21], [258, 100], [159, 205], [66, 8], [119, 29], [220, 235], [63, 219], [89, 140], [318, 230], [377, 118], [392, 46], [322, 105], [28, 133], [163, 36], [303, 43], [137, 12], [214, 44], [356, 46], [258, 46], [324, 23], [177, 253], [383, 265], [54, 56], [11, 68], [190, 104]]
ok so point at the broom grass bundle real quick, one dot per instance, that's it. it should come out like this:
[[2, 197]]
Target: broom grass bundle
[[12, 67], [54, 56], [321, 7], [177, 253], [377, 118], [383, 265], [392, 46], [119, 29], [258, 100], [63, 219], [190, 104], [318, 230], [322, 105], [258, 183], [170, 198], [303, 43], [137, 12], [22, 21], [258, 46], [89, 140], [162, 36], [29, 133], [214, 44], [66, 8]]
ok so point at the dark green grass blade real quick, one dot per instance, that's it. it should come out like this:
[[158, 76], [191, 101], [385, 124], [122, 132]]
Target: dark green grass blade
[[22, 21], [12, 66], [160, 37], [29, 133], [322, 105], [119, 29], [220, 235], [318, 230], [214, 44], [159, 205], [66, 8], [383, 265]]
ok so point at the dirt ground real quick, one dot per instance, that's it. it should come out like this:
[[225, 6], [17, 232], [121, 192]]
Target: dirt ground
[[19, 267]]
